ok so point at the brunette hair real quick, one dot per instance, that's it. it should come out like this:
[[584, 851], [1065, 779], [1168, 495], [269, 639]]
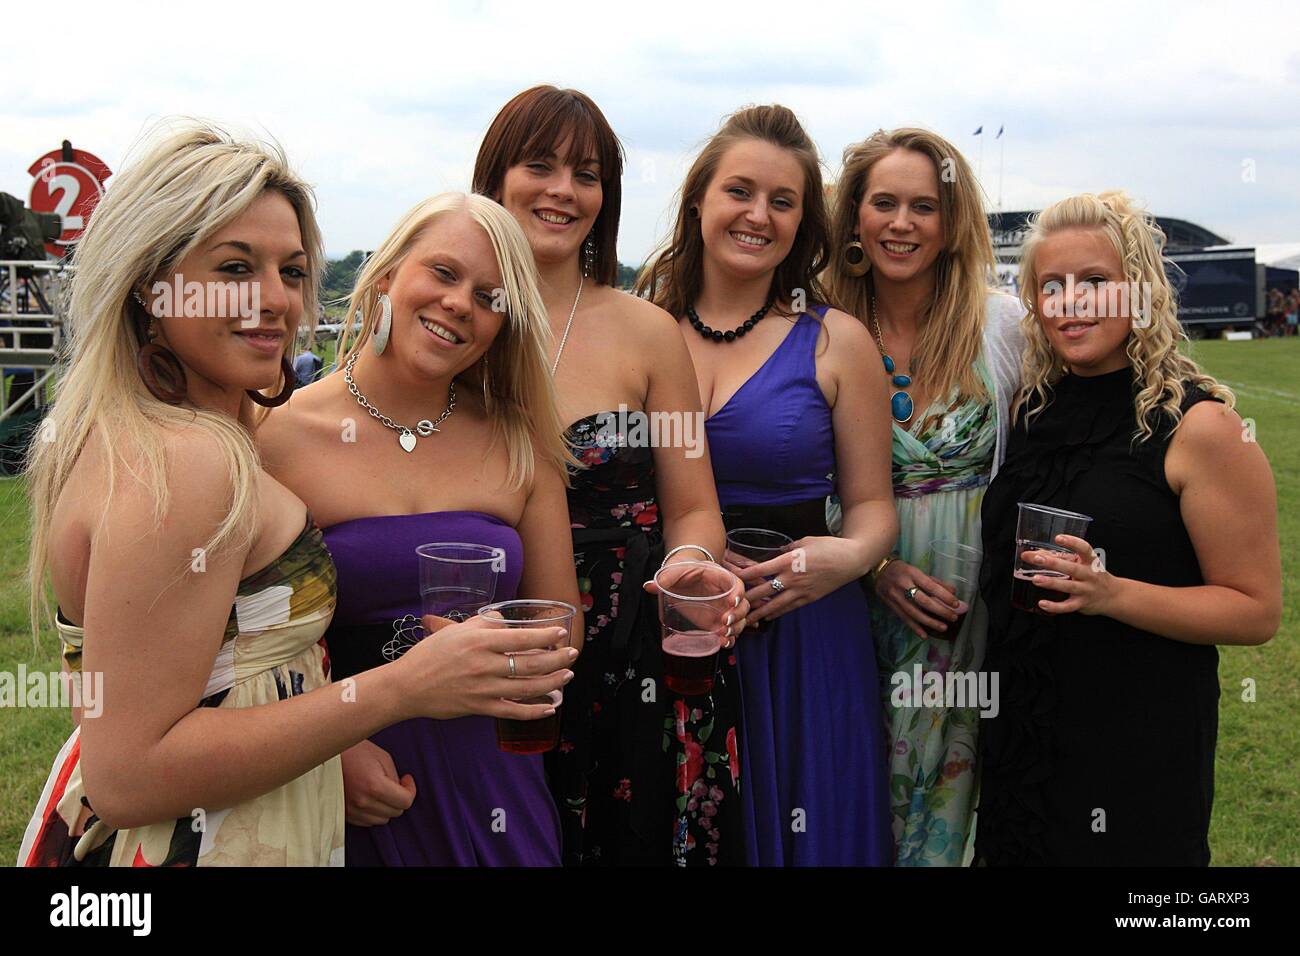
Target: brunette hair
[[675, 274], [530, 127]]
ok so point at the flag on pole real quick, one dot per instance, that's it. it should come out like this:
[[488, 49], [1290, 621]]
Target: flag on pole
[[978, 131], [1000, 129]]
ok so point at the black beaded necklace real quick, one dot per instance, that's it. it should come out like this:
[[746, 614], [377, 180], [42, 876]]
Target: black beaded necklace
[[717, 335]]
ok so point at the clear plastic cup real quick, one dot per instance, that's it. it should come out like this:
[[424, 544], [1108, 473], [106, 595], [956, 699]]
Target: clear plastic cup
[[531, 736], [694, 599], [1036, 529], [457, 578]]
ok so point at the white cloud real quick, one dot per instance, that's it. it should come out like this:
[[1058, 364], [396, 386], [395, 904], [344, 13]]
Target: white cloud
[[380, 105]]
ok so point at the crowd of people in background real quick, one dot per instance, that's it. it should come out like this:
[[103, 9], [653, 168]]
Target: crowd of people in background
[[1283, 312]]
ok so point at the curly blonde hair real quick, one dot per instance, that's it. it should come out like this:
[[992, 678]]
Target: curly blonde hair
[[1160, 367]]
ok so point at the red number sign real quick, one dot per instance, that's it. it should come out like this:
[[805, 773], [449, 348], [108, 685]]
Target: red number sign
[[69, 182]]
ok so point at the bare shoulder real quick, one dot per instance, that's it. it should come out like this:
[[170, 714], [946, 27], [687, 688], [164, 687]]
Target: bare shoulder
[[196, 452], [1213, 441], [306, 413], [197, 475], [1211, 428], [845, 333], [642, 318]]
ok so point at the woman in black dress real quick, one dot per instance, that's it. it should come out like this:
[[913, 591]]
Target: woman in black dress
[[1102, 752]]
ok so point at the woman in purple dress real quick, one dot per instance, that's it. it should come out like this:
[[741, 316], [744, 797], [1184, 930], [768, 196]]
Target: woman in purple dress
[[790, 414], [451, 337]]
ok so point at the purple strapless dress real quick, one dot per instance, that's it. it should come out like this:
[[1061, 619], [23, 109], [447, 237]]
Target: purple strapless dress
[[475, 805], [813, 770]]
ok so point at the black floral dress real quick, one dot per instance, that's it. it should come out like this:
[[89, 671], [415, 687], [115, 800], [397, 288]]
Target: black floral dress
[[642, 775]]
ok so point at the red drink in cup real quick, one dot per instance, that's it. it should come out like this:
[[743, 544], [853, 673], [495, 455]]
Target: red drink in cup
[[541, 735], [958, 566], [1036, 529], [531, 736], [1025, 594], [694, 600], [759, 546], [690, 659]]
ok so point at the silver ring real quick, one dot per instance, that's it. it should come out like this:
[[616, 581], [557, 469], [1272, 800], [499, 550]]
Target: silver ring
[[911, 593], [777, 586], [511, 659]]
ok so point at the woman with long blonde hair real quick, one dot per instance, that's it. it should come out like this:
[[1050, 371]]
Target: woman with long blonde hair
[[193, 589], [439, 425], [789, 414], [913, 259], [1102, 752]]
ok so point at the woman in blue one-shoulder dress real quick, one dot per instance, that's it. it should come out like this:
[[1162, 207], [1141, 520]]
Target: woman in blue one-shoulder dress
[[791, 414]]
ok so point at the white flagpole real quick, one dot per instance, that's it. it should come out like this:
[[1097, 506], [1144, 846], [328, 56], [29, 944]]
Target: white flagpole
[[1002, 161]]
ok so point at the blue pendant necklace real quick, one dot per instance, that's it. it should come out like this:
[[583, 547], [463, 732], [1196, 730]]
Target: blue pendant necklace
[[900, 403]]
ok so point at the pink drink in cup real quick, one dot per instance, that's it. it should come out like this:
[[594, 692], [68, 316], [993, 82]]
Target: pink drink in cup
[[694, 599]]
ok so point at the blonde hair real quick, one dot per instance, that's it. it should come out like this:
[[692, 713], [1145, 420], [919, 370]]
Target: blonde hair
[[1159, 366], [950, 334], [190, 180], [512, 376]]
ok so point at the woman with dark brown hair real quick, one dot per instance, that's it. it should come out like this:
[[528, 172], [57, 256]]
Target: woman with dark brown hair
[[791, 415], [643, 775]]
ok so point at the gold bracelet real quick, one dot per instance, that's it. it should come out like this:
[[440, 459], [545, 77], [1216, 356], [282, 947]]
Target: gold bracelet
[[884, 563]]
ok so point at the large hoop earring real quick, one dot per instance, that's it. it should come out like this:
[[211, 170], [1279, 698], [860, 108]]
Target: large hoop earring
[[286, 369], [856, 263], [171, 390], [384, 327]]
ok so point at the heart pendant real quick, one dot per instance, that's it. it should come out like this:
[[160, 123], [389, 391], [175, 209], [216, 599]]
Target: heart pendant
[[407, 441]]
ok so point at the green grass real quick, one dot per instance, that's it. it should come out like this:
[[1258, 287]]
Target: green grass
[[29, 737], [1257, 790], [1257, 799]]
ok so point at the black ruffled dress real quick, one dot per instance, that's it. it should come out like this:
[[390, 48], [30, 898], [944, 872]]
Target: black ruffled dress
[[1102, 752]]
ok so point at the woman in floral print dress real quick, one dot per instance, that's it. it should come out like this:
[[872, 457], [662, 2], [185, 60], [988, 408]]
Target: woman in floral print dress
[[642, 776], [908, 202], [637, 762]]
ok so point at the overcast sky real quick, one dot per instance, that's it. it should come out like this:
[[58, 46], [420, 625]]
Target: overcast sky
[[1193, 107]]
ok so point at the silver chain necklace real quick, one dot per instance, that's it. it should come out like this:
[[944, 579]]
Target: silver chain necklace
[[405, 436], [568, 325]]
